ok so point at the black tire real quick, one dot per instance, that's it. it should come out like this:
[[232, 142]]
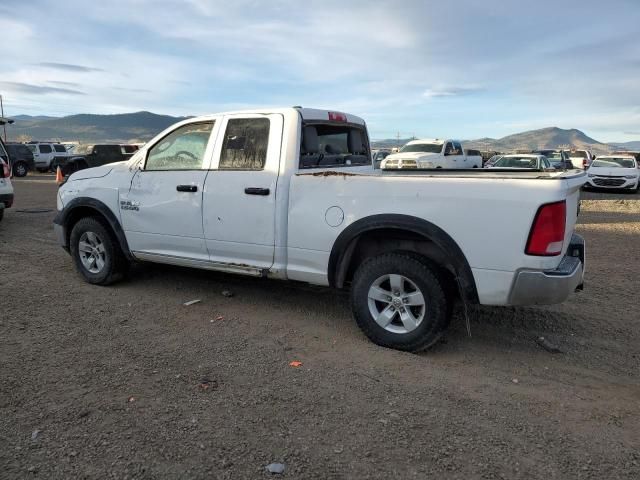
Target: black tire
[[1, 213], [20, 169], [425, 277], [115, 263]]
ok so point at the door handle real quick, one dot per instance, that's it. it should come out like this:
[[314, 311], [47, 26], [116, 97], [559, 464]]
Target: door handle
[[187, 188], [256, 191]]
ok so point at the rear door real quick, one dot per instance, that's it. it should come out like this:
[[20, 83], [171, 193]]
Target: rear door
[[45, 155], [239, 203], [458, 156], [162, 211]]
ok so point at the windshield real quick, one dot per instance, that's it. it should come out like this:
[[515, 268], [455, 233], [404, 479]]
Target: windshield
[[614, 162], [83, 149], [517, 162], [422, 147]]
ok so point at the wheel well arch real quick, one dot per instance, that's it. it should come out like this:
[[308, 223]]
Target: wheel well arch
[[82, 207], [378, 234]]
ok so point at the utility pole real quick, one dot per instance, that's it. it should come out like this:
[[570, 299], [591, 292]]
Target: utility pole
[[4, 125]]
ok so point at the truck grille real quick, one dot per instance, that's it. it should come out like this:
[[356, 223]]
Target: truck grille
[[609, 182], [409, 164]]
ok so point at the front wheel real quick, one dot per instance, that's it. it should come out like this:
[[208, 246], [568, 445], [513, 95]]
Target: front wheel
[[96, 252], [398, 302]]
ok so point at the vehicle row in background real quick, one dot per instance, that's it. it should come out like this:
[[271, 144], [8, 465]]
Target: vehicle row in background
[[87, 156], [47, 156]]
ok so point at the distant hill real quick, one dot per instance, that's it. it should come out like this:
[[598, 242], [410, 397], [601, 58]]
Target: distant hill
[[142, 126], [390, 142], [552, 137], [119, 128], [626, 145]]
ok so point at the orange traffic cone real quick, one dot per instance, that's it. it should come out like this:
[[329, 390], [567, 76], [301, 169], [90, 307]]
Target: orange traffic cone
[[59, 175]]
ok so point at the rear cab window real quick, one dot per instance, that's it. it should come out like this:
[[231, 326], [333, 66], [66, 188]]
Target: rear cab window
[[327, 144]]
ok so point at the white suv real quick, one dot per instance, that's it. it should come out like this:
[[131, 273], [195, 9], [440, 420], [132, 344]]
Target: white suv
[[44, 153]]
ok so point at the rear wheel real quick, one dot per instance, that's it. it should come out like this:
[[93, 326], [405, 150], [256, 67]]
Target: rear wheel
[[96, 252], [20, 169], [399, 302]]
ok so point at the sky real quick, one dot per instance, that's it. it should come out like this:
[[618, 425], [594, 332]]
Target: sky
[[455, 68]]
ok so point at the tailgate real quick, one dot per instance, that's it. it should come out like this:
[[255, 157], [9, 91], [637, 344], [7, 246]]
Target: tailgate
[[573, 184]]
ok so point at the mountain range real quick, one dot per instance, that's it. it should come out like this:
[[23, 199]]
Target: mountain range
[[544, 138], [142, 126], [89, 128]]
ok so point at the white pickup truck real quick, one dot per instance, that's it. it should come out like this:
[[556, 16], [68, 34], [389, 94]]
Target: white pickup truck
[[291, 194], [448, 154]]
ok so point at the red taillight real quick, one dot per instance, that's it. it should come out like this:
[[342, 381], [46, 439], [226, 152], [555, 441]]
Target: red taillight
[[5, 170], [547, 233], [337, 117]]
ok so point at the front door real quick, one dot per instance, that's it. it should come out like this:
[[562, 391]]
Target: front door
[[239, 203], [162, 211]]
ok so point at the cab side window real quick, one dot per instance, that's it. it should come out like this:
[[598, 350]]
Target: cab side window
[[448, 149], [182, 149], [245, 144]]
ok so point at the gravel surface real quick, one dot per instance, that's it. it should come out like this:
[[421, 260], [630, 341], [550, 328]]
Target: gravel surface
[[128, 382]]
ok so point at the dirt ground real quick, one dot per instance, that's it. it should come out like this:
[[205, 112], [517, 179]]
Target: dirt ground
[[127, 382]]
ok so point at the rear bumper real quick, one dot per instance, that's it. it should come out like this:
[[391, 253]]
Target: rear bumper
[[6, 199], [533, 287]]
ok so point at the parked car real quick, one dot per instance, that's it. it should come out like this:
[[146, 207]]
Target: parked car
[[6, 189], [20, 159], [529, 162], [580, 158], [614, 172], [431, 154], [636, 155], [259, 197], [559, 159], [44, 154], [492, 160], [378, 156], [87, 156]]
